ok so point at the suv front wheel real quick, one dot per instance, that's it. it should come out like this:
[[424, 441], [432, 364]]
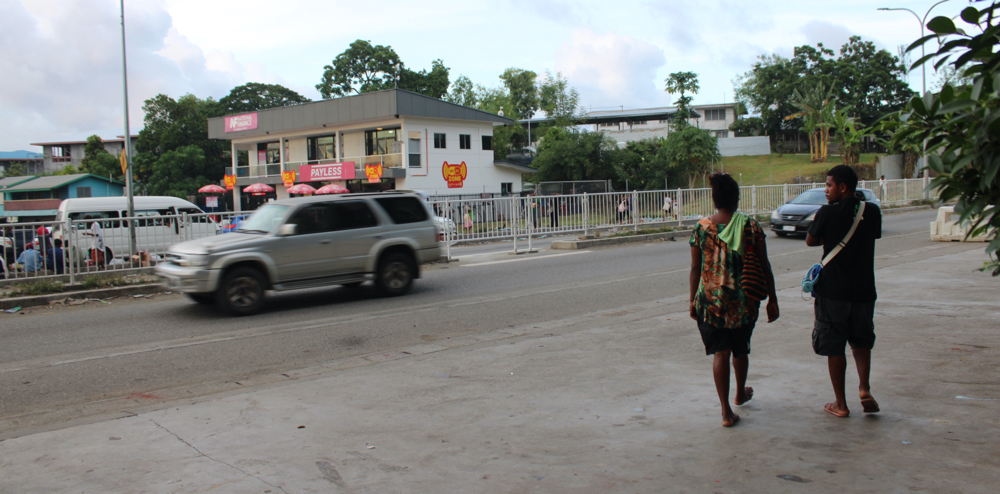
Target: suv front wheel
[[395, 274], [241, 292]]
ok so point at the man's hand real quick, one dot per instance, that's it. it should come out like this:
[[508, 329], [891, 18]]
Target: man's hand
[[772, 310]]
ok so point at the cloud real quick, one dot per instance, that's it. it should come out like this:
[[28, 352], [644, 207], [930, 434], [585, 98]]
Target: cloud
[[833, 36], [62, 68], [611, 70]]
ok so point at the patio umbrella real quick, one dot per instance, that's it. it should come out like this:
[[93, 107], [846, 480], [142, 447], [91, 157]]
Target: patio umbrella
[[212, 189], [302, 189], [258, 189], [332, 189]]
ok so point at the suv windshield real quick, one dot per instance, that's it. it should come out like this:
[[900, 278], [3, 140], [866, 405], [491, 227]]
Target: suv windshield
[[265, 219], [814, 197]]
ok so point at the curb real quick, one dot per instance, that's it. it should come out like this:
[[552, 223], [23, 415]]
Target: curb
[[36, 300], [599, 242]]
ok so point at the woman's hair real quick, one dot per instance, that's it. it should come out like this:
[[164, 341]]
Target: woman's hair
[[725, 191]]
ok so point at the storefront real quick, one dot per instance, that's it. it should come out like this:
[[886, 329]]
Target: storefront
[[371, 142]]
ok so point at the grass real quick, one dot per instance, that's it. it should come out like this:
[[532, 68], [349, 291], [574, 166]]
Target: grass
[[92, 282], [43, 287], [777, 169]]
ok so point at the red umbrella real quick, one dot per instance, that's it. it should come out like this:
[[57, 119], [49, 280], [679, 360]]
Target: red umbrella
[[332, 189], [212, 189], [258, 189], [302, 189]]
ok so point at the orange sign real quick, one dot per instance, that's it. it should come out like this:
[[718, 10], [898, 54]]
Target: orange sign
[[288, 178], [455, 174], [374, 172], [230, 182]]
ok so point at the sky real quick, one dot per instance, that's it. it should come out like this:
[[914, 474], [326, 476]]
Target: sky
[[61, 68]]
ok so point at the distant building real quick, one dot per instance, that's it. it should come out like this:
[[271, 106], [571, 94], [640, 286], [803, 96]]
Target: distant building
[[32, 161], [56, 155], [37, 198], [648, 122]]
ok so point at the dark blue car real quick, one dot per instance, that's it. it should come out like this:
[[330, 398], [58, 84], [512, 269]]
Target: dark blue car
[[796, 216]]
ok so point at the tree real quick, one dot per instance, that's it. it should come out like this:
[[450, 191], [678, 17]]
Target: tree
[[962, 126], [747, 126], [16, 169], [98, 161], [523, 92], [849, 134], [815, 106], [463, 92], [568, 154], [362, 68], [434, 83], [254, 96], [559, 100], [682, 83], [180, 172], [692, 151], [644, 164]]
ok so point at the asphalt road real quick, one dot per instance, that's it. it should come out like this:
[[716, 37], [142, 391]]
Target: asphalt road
[[70, 364]]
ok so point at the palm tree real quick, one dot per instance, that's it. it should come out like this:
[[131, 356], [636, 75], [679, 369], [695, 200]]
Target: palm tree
[[816, 110]]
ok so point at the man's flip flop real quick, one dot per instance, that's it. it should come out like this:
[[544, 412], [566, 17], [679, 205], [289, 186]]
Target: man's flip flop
[[870, 405], [829, 409]]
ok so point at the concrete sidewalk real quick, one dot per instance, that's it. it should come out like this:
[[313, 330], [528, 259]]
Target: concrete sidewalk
[[615, 401]]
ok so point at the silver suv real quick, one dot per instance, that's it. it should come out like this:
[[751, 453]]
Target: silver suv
[[305, 243]]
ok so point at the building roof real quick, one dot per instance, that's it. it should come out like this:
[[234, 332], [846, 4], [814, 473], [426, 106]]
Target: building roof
[[66, 143], [617, 117], [379, 105], [20, 155], [54, 182], [514, 166], [11, 181]]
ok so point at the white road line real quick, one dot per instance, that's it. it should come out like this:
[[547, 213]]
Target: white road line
[[524, 259]]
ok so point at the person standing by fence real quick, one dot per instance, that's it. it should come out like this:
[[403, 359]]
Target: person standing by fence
[[96, 242], [728, 263]]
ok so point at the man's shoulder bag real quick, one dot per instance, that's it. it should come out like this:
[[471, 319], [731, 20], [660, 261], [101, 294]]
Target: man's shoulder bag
[[812, 275]]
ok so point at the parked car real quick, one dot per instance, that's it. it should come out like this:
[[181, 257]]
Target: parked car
[[796, 216], [307, 242]]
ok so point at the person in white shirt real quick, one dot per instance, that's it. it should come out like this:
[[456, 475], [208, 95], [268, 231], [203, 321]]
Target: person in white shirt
[[96, 242]]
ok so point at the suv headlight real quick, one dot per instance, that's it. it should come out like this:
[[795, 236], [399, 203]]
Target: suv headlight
[[811, 216], [774, 215], [194, 261]]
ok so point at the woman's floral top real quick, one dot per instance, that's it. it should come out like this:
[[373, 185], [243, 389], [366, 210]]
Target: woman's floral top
[[719, 300]]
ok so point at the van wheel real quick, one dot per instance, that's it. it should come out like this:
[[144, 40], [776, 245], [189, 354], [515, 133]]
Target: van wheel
[[395, 274], [202, 298], [241, 292]]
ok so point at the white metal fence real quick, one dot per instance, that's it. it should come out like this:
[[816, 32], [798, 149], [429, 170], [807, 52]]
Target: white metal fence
[[519, 219]]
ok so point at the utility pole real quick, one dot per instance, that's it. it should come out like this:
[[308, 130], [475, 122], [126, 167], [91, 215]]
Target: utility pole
[[128, 142]]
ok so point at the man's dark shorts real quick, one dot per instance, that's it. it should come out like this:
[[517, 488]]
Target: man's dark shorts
[[719, 339], [839, 322]]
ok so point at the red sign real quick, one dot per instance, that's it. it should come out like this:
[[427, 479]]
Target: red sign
[[374, 172], [327, 171], [288, 178], [455, 174], [238, 123], [230, 181]]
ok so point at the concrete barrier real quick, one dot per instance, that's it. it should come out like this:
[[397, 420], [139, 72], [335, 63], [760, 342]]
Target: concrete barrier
[[947, 229]]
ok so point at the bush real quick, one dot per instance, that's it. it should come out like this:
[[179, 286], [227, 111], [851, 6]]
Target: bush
[[43, 287]]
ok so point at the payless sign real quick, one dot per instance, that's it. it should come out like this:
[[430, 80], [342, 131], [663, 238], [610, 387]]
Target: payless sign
[[455, 174], [327, 171], [239, 123]]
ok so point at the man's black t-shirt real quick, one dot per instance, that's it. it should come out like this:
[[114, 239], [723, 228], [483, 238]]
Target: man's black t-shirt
[[850, 275]]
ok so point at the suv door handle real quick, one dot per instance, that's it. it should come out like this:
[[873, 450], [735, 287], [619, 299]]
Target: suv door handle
[[325, 242], [379, 237]]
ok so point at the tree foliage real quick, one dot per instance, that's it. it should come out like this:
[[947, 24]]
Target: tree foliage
[[645, 166], [16, 169], [568, 154], [692, 151], [682, 83], [254, 96], [559, 100], [523, 92], [962, 126], [748, 126], [362, 68], [815, 105], [99, 161], [434, 83]]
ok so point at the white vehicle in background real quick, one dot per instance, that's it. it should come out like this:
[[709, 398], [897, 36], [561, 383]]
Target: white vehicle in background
[[156, 224], [445, 225]]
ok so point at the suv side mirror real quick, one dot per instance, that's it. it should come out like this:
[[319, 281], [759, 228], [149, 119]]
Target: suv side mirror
[[287, 230]]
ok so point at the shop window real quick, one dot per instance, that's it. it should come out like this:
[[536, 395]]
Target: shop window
[[270, 153], [487, 143], [464, 141], [379, 141], [320, 148], [439, 141], [414, 151]]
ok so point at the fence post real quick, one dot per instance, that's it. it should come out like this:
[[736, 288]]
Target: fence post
[[585, 214], [905, 194], [753, 199], [531, 221], [680, 206], [927, 193], [784, 194], [635, 210], [447, 236], [515, 218], [67, 230]]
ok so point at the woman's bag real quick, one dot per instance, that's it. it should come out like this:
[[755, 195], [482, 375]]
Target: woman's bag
[[752, 280]]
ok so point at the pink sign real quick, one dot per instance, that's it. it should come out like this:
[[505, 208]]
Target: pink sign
[[326, 171], [237, 123]]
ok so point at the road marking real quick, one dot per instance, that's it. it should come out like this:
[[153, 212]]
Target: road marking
[[525, 259]]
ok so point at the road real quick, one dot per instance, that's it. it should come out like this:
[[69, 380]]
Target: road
[[68, 365]]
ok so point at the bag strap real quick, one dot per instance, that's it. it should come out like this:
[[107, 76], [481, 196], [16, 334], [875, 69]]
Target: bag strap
[[850, 233]]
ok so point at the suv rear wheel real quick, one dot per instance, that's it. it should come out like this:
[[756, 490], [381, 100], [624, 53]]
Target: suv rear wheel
[[241, 292], [395, 274]]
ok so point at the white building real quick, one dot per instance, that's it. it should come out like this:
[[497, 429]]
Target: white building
[[395, 139], [653, 122]]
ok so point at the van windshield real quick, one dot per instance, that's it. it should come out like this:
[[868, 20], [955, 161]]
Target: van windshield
[[265, 219]]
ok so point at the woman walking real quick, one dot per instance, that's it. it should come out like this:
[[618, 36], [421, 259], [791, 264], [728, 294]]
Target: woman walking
[[730, 275]]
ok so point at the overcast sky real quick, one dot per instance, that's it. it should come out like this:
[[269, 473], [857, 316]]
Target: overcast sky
[[60, 72]]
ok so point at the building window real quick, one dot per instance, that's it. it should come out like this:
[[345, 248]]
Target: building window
[[640, 122], [270, 152], [506, 188], [414, 151], [664, 121], [320, 148], [722, 134], [60, 153], [379, 142], [715, 114], [83, 192], [487, 143], [439, 141], [464, 141], [608, 125]]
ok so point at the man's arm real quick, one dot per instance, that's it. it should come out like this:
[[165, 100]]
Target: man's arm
[[812, 241], [814, 237]]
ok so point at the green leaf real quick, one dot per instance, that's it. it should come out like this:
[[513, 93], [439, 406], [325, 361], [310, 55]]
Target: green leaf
[[970, 15], [942, 25], [956, 105]]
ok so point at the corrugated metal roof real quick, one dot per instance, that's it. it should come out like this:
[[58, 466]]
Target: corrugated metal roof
[[53, 182], [9, 181], [374, 106]]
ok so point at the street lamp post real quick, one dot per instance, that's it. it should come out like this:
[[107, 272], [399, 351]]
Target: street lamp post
[[128, 141]]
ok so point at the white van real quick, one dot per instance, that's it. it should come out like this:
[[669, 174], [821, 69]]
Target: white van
[[153, 233]]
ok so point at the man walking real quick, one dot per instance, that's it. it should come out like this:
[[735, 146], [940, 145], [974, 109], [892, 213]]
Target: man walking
[[845, 289]]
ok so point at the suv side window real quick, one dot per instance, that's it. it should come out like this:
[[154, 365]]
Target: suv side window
[[403, 209], [314, 218], [353, 214]]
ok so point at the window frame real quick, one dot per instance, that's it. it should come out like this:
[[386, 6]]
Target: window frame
[[487, 143], [440, 140], [464, 141]]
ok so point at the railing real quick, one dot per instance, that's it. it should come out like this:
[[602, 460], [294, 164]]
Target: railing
[[274, 169]]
